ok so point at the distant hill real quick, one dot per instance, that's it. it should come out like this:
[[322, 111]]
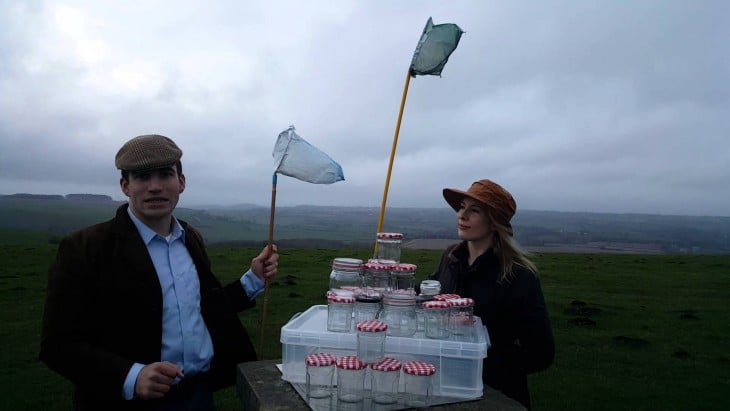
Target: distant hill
[[336, 227]]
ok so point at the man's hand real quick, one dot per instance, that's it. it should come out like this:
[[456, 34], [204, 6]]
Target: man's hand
[[265, 265], [154, 379]]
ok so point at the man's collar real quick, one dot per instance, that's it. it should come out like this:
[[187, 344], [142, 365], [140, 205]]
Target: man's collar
[[148, 234]]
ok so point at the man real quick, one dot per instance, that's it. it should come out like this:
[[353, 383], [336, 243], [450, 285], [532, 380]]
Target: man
[[134, 317]]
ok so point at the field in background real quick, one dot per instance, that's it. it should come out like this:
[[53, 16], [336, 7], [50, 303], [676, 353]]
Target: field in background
[[340, 227], [633, 332]]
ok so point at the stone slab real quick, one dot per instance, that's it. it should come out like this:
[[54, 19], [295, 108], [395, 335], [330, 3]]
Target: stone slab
[[261, 388]]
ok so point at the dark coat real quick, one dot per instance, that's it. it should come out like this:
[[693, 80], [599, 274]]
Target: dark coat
[[514, 313], [103, 312]]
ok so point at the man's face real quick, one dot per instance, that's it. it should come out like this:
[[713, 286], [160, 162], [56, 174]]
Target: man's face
[[153, 194]]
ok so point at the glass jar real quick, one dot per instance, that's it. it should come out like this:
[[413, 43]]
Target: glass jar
[[462, 318], [350, 379], [384, 382], [346, 274], [417, 376], [436, 319], [320, 375], [403, 277], [371, 340], [399, 312], [430, 287], [420, 300], [366, 307], [377, 277], [339, 312], [389, 247]]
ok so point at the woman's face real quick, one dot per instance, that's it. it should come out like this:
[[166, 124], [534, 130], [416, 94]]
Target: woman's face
[[472, 221]]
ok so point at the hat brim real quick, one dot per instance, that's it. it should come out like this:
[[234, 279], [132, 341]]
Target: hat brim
[[454, 197]]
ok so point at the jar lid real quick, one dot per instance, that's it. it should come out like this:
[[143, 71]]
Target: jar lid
[[430, 287], [352, 289], [368, 298], [399, 298], [403, 291], [375, 265], [419, 368], [387, 364], [404, 268], [320, 359], [341, 292], [335, 298], [371, 326], [461, 302], [350, 362], [436, 304], [446, 297], [347, 263], [390, 236]]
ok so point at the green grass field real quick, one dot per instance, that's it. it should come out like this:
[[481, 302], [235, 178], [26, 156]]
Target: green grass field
[[632, 332]]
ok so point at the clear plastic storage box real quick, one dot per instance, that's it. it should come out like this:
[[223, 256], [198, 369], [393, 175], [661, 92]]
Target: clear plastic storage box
[[458, 363]]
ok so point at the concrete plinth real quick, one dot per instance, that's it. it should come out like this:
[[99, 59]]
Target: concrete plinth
[[261, 388]]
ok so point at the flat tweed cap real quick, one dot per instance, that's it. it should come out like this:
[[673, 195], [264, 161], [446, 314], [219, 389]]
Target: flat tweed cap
[[147, 152]]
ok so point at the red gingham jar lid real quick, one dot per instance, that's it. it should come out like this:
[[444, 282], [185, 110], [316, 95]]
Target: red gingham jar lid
[[350, 362], [340, 291], [461, 302], [350, 264], [320, 359], [404, 268], [445, 297], [436, 304], [390, 236], [375, 265], [351, 289], [343, 299], [419, 368], [387, 364], [371, 326]]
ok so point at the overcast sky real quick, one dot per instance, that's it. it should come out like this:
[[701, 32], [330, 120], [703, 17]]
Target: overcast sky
[[604, 106]]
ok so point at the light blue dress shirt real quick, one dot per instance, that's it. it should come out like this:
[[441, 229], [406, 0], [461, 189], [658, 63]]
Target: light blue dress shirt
[[185, 337]]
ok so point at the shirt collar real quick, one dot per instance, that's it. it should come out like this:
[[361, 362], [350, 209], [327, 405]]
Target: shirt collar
[[149, 234]]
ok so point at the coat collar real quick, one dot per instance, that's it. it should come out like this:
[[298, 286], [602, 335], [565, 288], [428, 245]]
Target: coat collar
[[488, 262]]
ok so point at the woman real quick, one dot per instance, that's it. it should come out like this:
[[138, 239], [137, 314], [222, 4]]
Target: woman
[[489, 267]]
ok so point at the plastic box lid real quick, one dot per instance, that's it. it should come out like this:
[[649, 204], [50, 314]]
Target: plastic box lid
[[310, 329]]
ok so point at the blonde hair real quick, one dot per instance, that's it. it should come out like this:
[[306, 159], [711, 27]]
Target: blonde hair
[[509, 252]]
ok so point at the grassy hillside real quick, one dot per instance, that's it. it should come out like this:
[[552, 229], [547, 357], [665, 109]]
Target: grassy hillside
[[632, 332], [338, 227]]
